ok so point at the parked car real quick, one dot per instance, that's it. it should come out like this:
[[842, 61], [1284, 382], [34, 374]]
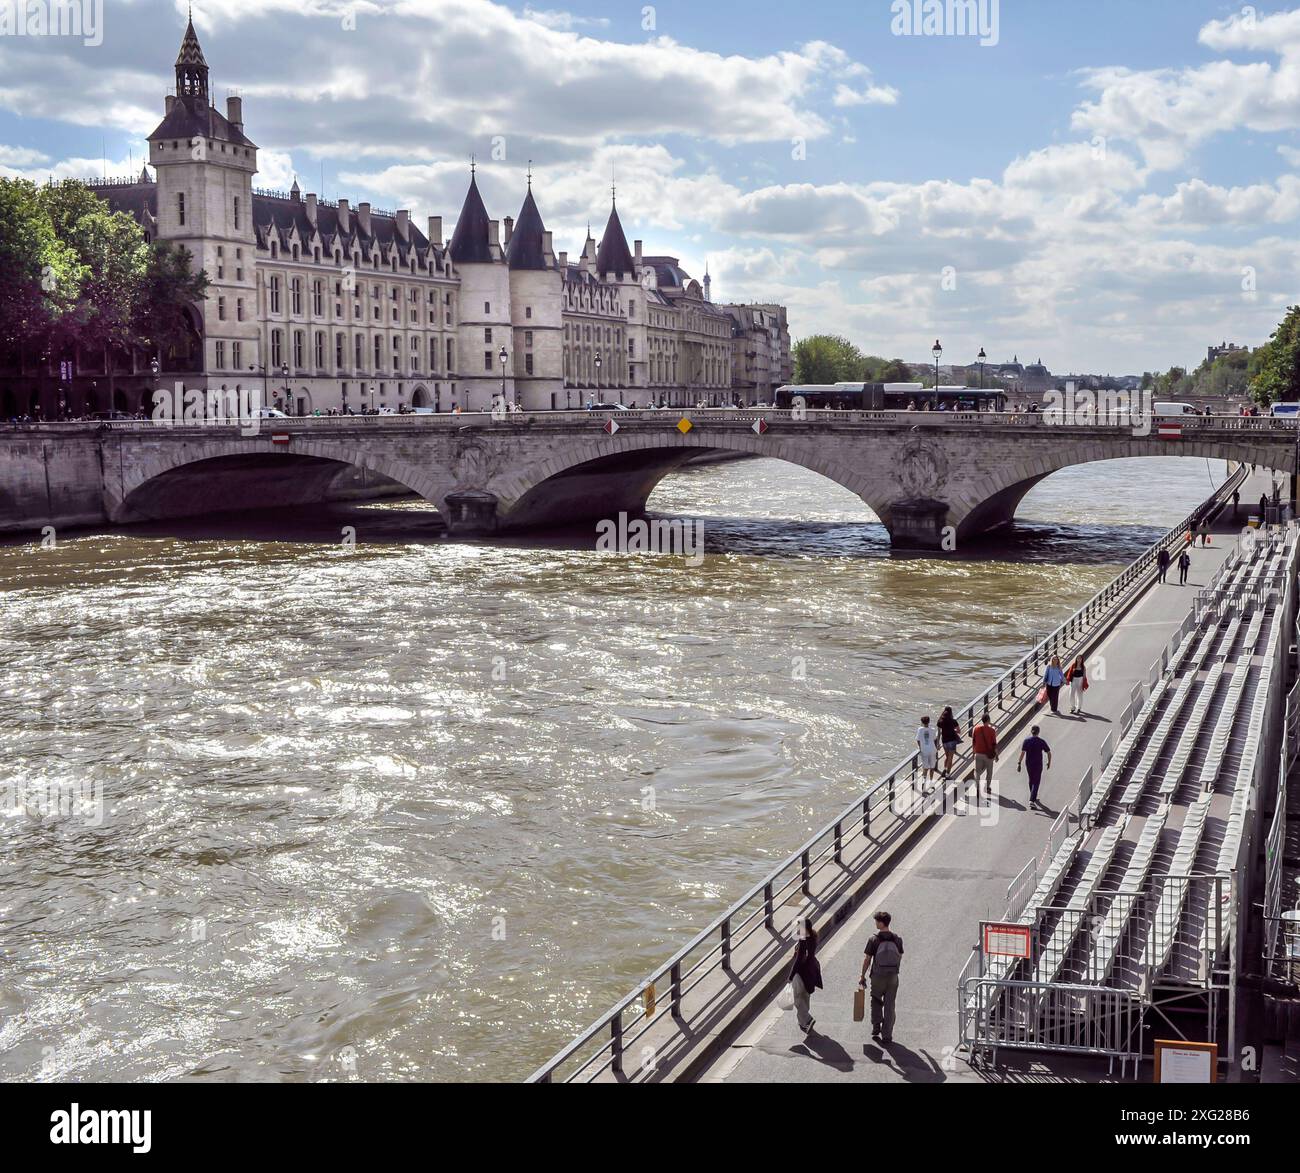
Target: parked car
[[271, 413]]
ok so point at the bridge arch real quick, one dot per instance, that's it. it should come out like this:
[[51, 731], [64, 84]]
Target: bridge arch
[[181, 480]]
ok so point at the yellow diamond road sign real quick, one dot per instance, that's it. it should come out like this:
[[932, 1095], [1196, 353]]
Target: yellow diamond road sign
[[684, 425]]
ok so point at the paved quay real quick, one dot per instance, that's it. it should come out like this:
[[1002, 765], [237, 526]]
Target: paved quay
[[958, 875]]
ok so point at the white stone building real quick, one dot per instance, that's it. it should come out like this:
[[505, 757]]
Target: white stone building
[[327, 306]]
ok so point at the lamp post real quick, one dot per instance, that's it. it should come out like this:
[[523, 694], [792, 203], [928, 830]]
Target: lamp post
[[598, 372], [504, 358], [981, 357], [937, 351], [371, 389]]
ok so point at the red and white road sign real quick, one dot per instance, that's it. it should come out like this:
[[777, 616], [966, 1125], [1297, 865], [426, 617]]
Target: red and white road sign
[[760, 426], [1006, 940], [1169, 431], [279, 437], [611, 427]]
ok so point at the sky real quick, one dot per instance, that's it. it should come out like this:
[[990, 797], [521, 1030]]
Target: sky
[[1108, 185]]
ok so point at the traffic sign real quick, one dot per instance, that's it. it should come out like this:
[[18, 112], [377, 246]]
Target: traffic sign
[[760, 426], [611, 426]]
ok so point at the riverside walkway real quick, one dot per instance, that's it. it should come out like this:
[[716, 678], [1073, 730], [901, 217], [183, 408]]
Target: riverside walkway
[[959, 875], [938, 861]]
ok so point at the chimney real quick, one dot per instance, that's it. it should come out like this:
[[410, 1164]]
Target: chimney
[[311, 208], [363, 217], [494, 233], [235, 112], [564, 259], [403, 219], [435, 230], [168, 102], [345, 223], [510, 228], [637, 247], [546, 245]]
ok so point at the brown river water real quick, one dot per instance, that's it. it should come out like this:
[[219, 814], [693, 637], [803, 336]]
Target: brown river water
[[384, 811]]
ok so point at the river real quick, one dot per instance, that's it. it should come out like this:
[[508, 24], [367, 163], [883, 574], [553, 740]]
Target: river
[[421, 809]]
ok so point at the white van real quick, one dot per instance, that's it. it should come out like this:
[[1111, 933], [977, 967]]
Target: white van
[[1167, 409], [1290, 410]]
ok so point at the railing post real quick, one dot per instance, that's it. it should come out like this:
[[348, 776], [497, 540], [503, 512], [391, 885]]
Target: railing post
[[726, 944], [675, 993], [767, 905], [839, 843], [806, 874], [616, 1043]]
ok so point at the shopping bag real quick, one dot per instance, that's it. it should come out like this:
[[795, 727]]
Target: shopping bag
[[785, 999], [1042, 695], [859, 1004]]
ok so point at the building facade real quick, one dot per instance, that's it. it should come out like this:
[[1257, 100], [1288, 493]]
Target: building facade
[[323, 306]]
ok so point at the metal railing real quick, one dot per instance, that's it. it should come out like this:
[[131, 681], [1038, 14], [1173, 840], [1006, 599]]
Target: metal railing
[[893, 804], [1043, 1016]]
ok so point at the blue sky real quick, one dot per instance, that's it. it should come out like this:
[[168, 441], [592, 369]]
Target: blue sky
[[1110, 187]]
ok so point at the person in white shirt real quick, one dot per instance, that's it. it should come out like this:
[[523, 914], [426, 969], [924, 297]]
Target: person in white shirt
[[927, 743]]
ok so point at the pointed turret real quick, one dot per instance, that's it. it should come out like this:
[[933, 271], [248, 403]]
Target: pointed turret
[[469, 243], [144, 175], [527, 249], [614, 255], [191, 68]]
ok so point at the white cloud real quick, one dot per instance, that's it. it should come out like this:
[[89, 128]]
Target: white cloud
[[553, 19]]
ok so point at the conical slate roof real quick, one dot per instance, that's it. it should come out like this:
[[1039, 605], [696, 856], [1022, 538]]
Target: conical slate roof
[[191, 52], [614, 256], [526, 250], [469, 243]]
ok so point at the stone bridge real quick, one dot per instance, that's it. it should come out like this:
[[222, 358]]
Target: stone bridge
[[927, 476]]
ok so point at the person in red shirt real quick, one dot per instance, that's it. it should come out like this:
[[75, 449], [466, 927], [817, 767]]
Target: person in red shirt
[[984, 742]]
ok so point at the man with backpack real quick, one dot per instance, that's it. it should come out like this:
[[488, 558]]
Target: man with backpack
[[884, 953]]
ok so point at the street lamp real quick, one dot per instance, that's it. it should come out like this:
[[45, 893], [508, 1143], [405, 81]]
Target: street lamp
[[937, 351], [284, 374], [981, 357], [372, 398], [598, 370], [504, 358]]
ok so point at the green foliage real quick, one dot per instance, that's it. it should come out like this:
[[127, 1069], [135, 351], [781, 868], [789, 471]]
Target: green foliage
[[828, 358], [75, 274], [1276, 374]]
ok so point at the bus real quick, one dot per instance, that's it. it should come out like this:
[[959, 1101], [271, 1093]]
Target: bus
[[890, 397]]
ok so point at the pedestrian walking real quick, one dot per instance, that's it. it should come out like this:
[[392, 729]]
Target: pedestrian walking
[[1053, 678], [1205, 533], [1236, 500], [805, 975], [1077, 678], [1184, 565], [1032, 752], [949, 738], [1263, 509], [1162, 562], [884, 954], [984, 743], [927, 744]]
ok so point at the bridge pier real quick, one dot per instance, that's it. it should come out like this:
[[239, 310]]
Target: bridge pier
[[918, 524], [471, 513]]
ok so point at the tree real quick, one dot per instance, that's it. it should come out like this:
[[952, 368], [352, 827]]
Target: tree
[[40, 278], [1277, 375], [168, 285], [826, 359]]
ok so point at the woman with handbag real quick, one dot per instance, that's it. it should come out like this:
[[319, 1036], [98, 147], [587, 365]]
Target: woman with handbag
[[949, 738], [805, 975], [1077, 679]]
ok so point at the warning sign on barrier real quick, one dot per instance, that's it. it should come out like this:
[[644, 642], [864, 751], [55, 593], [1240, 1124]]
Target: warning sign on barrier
[[1007, 940]]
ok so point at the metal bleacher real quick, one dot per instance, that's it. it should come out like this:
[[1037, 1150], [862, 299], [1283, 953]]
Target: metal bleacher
[[1136, 898]]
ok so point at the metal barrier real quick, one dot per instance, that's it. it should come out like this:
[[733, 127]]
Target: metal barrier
[[1047, 1016], [882, 814]]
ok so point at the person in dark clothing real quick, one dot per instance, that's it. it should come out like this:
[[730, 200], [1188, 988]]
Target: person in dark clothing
[[1263, 508], [1162, 564], [1032, 752], [884, 954], [1236, 500], [1184, 565], [805, 975], [949, 738]]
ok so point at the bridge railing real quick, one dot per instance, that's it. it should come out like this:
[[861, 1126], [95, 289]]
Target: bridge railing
[[742, 417], [891, 804]]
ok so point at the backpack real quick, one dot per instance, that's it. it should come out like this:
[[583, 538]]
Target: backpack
[[888, 958]]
